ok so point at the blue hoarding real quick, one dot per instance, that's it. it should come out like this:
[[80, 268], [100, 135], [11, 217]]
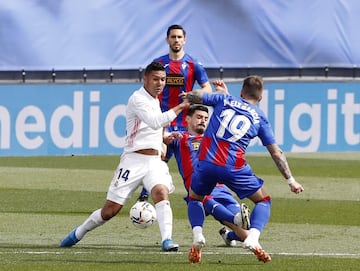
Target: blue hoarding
[[81, 119]]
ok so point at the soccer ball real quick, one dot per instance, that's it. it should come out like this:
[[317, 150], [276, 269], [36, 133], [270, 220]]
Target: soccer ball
[[142, 214]]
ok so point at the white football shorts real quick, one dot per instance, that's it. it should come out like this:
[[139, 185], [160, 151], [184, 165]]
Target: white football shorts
[[138, 169]]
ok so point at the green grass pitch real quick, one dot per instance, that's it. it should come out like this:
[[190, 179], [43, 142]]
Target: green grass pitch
[[43, 198]]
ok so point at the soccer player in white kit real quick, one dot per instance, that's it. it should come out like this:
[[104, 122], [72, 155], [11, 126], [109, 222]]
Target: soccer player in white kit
[[140, 163]]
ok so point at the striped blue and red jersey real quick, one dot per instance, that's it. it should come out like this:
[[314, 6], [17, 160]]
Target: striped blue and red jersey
[[186, 153], [232, 125], [181, 76]]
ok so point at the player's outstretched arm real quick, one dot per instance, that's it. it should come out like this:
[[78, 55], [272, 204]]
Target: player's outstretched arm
[[194, 97], [180, 107], [168, 138], [220, 87], [206, 87], [296, 187], [281, 162]]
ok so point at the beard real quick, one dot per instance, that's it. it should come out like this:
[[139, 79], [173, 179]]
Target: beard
[[200, 129], [175, 49]]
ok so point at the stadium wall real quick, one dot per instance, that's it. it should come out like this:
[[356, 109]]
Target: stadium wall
[[89, 119], [122, 34]]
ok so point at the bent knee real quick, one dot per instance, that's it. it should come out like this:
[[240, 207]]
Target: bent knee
[[265, 199], [110, 210], [159, 192]]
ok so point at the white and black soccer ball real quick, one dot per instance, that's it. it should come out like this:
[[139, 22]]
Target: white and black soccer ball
[[142, 214]]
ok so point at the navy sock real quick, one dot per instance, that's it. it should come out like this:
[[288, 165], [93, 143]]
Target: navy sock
[[260, 215], [232, 236], [196, 213], [218, 211]]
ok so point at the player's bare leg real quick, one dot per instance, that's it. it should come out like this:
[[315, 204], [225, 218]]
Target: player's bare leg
[[239, 231]]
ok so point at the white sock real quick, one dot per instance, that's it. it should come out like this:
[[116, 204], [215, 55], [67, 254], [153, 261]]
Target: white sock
[[198, 234], [93, 221], [164, 218], [254, 234], [197, 230]]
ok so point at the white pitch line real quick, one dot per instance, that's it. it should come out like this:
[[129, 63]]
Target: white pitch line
[[352, 255]]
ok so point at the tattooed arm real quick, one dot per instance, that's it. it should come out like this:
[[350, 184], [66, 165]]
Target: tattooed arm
[[194, 97], [280, 160]]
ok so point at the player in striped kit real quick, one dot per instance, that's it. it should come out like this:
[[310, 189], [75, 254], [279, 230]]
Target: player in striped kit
[[182, 71], [220, 203], [234, 122]]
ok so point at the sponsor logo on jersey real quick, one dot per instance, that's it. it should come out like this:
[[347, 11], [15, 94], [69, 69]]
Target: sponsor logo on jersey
[[174, 80]]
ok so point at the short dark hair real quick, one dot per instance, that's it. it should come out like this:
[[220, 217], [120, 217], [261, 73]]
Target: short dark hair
[[253, 86], [195, 107], [175, 26], [154, 66]]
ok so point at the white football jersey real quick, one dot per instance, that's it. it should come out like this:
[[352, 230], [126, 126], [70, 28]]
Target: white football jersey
[[145, 122]]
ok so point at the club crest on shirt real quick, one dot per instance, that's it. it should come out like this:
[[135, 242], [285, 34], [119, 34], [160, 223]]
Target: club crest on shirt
[[195, 145]]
